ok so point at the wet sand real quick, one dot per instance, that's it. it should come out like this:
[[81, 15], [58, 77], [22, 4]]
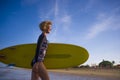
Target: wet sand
[[8, 73]]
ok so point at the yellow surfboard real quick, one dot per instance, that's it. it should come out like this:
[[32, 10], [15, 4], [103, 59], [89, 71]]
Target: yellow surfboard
[[58, 55]]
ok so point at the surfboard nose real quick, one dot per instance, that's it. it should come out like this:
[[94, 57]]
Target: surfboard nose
[[2, 56]]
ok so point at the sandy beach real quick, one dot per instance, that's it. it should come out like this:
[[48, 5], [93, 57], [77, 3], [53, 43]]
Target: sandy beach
[[15, 73], [111, 73], [8, 73]]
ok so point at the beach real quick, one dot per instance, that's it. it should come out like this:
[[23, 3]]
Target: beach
[[14, 73], [110, 73]]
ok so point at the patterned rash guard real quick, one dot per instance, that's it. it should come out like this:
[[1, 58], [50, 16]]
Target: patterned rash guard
[[41, 48]]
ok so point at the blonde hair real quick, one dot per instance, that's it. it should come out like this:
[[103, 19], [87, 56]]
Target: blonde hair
[[43, 25]]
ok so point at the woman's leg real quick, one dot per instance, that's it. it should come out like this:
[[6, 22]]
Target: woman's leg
[[42, 71], [35, 75]]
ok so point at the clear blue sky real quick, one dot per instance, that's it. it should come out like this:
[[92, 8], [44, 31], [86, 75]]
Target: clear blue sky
[[92, 24]]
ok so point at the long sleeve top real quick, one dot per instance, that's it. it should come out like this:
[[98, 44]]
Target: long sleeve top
[[41, 48]]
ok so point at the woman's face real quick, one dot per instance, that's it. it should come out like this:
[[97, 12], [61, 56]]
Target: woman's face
[[48, 29]]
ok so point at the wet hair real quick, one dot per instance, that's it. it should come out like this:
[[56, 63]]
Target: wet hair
[[43, 25]]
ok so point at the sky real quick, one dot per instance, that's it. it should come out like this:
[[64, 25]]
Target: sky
[[92, 24]]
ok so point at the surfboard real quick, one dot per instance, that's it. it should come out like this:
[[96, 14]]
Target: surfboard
[[58, 55]]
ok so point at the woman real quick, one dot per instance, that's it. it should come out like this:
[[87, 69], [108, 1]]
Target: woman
[[38, 68]]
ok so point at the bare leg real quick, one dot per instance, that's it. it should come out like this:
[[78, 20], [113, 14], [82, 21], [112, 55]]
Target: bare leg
[[34, 75], [43, 72], [39, 71]]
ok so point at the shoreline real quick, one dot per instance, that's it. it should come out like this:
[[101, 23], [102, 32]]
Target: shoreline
[[109, 73], [15, 73]]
